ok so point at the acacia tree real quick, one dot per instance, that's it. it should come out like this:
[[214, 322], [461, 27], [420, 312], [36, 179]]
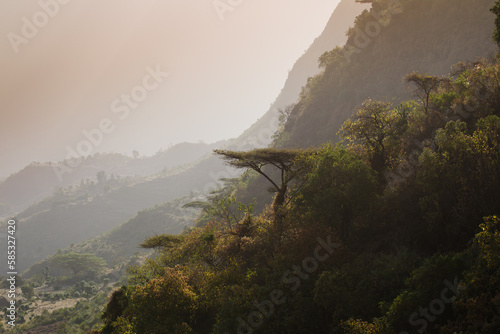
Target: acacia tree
[[425, 86], [257, 159], [161, 242], [79, 262]]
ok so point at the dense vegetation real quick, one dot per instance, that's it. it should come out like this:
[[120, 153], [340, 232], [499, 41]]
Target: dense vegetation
[[387, 42], [394, 229]]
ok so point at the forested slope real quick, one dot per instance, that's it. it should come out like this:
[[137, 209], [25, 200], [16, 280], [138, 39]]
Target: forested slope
[[387, 43], [394, 230]]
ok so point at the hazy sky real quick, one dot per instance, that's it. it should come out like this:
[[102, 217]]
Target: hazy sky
[[72, 70]]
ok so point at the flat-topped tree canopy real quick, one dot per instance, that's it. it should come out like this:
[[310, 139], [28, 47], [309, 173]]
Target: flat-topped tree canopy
[[257, 159], [279, 158]]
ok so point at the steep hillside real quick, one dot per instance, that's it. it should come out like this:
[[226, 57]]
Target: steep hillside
[[343, 249], [72, 220], [37, 180], [375, 67], [366, 254], [384, 46], [334, 34]]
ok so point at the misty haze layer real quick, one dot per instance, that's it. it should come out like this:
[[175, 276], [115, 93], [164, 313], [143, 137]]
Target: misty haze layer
[[69, 65]]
